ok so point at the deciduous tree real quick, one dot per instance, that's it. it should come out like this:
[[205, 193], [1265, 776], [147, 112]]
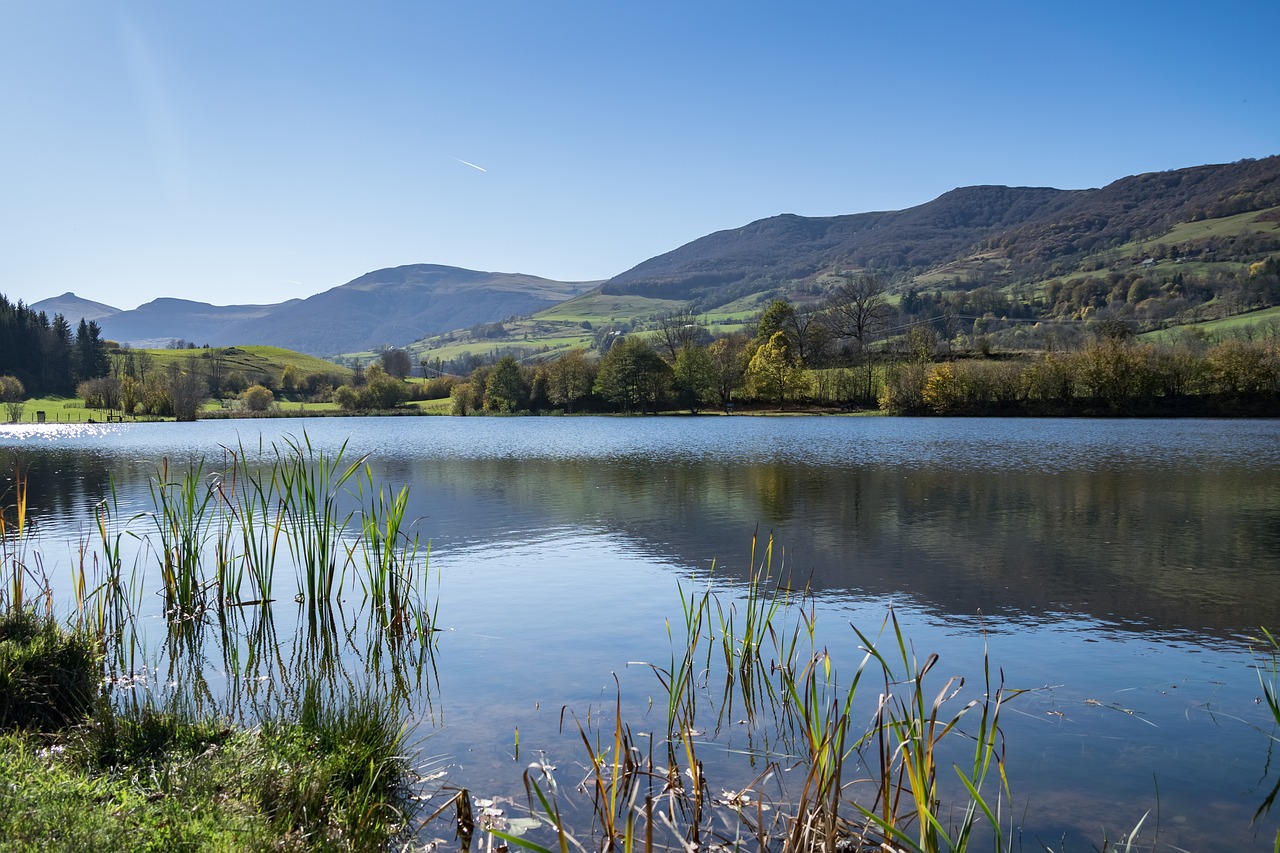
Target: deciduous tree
[[680, 329], [729, 359], [693, 378], [257, 398], [775, 372], [569, 379], [13, 394], [632, 375], [858, 312], [506, 389], [396, 363]]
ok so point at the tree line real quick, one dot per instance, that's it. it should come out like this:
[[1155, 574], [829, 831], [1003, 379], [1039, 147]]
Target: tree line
[[680, 364], [855, 349]]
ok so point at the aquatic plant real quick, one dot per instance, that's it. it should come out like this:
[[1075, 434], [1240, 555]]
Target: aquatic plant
[[183, 521], [20, 566], [858, 783]]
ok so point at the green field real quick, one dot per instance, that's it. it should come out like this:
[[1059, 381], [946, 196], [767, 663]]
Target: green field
[[1254, 222], [250, 360], [1263, 319]]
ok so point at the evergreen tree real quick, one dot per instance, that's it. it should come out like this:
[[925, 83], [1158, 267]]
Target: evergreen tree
[[91, 359]]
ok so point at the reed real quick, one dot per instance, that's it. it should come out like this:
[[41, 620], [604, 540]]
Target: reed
[[249, 502], [614, 776], [911, 726], [390, 554], [183, 523], [889, 783], [310, 481], [21, 566]]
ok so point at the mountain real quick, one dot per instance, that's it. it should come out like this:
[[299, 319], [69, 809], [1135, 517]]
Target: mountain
[[166, 319], [73, 308], [1030, 230], [383, 307]]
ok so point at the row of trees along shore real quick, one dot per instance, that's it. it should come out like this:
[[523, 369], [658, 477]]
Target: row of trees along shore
[[134, 386], [850, 348], [856, 350]]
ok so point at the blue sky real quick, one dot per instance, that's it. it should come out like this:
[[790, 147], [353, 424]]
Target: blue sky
[[246, 151]]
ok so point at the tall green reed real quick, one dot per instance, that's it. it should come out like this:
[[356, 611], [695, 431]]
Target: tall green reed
[[248, 497], [183, 524], [911, 727], [25, 580], [310, 481]]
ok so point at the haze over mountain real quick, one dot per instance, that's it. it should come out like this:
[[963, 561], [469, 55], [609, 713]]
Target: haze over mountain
[[384, 307]]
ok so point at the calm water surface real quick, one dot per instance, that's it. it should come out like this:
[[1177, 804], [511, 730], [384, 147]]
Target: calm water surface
[[1118, 568]]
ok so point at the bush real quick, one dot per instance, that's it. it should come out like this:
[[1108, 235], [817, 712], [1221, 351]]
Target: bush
[[256, 398]]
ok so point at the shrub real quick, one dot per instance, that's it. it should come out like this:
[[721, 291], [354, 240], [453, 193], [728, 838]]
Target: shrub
[[256, 398]]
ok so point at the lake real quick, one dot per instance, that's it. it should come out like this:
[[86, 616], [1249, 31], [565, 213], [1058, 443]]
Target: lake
[[1115, 570]]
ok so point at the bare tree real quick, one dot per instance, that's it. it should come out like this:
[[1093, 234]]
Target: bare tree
[[396, 362], [680, 329], [809, 330], [186, 391], [859, 311]]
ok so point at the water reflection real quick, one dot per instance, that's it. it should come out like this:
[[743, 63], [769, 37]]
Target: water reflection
[[1169, 526]]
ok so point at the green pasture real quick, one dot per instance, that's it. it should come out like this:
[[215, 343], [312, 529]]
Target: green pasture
[[249, 360], [1262, 320]]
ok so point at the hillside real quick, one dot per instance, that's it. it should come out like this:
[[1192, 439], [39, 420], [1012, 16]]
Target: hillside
[[1155, 250], [1189, 233], [1024, 232], [160, 321], [770, 252], [260, 364]]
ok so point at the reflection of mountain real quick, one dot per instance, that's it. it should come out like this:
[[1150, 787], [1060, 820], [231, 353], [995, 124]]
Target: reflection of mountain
[[1167, 550], [1169, 547]]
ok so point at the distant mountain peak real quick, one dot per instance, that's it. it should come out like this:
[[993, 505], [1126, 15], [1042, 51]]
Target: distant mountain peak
[[393, 306], [74, 308]]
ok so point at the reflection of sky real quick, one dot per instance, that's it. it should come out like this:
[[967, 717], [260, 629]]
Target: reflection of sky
[[558, 543]]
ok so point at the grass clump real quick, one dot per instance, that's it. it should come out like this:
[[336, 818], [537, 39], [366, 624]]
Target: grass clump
[[335, 778], [54, 801], [48, 678]]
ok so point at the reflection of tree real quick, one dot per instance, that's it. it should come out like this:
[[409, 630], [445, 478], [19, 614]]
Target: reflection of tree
[[1176, 549], [60, 483]]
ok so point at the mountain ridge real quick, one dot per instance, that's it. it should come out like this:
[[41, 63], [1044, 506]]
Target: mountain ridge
[[1027, 227], [985, 234]]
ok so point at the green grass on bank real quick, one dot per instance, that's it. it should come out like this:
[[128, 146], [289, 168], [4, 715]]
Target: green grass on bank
[[81, 773]]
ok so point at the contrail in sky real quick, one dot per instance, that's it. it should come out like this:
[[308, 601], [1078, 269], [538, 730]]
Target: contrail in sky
[[472, 165]]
